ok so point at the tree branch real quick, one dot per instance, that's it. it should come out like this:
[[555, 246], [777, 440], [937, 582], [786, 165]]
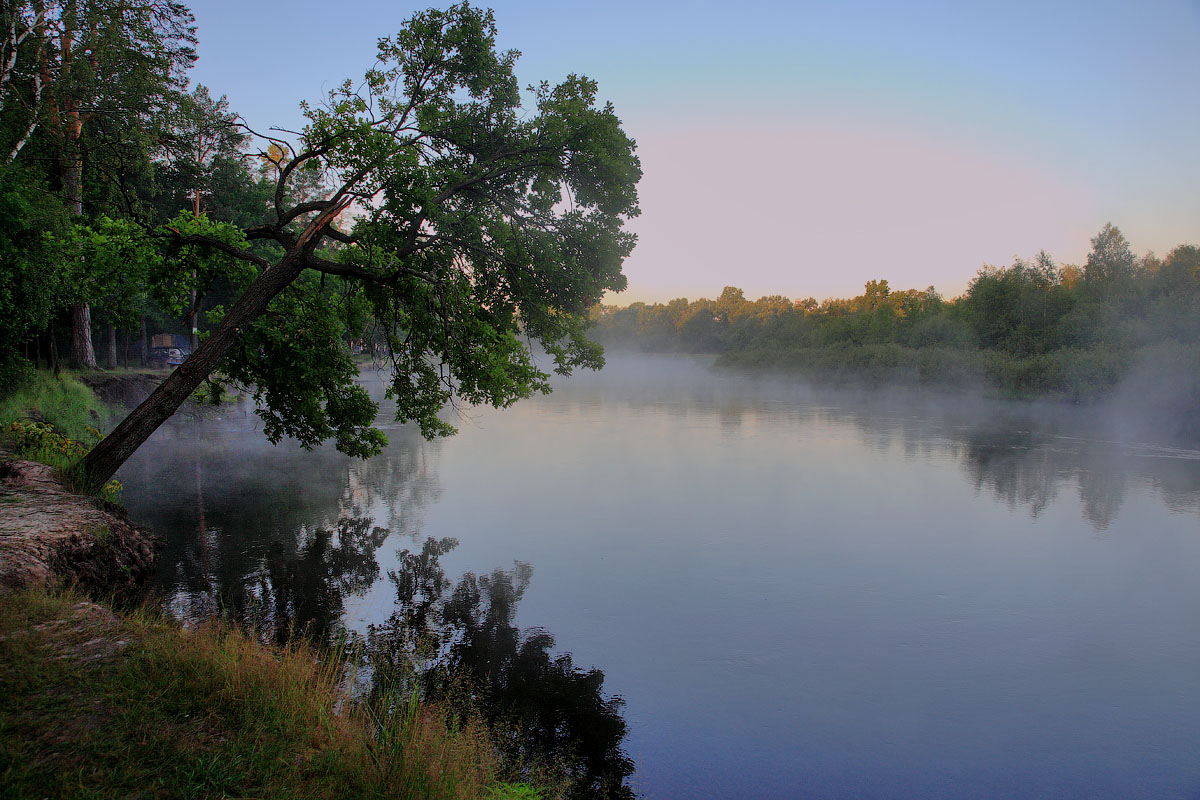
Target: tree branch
[[217, 244], [349, 271]]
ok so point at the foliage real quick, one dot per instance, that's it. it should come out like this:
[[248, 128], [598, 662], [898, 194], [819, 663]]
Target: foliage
[[514, 791], [477, 219], [38, 441], [61, 401], [108, 261], [477, 227], [199, 139], [1111, 262], [37, 438], [31, 288], [181, 267], [486, 226], [1031, 328], [294, 362]]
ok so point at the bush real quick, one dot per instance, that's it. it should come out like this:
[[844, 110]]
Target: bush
[[63, 402], [1069, 374], [39, 441]]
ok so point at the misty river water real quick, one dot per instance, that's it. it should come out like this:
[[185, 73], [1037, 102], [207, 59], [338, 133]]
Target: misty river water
[[796, 593]]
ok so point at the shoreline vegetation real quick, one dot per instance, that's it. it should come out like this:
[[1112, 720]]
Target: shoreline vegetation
[[99, 704], [106, 696], [103, 697], [1029, 330]]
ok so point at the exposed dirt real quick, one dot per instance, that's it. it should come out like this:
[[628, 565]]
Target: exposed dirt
[[50, 536], [123, 389]]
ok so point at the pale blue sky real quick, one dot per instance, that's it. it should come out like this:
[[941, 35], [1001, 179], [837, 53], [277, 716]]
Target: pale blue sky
[[805, 148]]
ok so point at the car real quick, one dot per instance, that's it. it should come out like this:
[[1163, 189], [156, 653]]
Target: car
[[160, 357]]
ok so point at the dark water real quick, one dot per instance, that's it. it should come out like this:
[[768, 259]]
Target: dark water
[[797, 594]]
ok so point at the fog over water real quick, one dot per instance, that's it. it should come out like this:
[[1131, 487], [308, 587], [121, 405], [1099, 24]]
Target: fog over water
[[796, 592]]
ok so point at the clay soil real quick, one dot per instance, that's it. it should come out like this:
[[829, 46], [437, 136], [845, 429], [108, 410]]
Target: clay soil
[[53, 537]]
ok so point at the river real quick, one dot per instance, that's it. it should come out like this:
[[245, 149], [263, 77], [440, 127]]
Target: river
[[796, 593]]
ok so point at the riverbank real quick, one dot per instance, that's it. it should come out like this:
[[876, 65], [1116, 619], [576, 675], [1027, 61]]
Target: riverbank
[[1076, 376], [103, 703], [51, 537], [106, 705]]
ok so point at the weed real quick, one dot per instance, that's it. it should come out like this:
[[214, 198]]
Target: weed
[[38, 441], [213, 713], [63, 402], [514, 791]]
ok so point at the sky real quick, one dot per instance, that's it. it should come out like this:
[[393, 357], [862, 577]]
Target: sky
[[805, 148]]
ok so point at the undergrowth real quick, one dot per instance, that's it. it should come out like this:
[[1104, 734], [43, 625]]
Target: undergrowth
[[38, 441], [62, 401], [52, 419], [213, 713]]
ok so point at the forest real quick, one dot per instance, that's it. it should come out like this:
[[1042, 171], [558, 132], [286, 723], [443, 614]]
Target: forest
[[103, 142], [424, 206], [1032, 328]]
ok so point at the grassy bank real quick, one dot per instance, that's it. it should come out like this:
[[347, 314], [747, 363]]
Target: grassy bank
[[54, 420], [62, 401], [97, 705]]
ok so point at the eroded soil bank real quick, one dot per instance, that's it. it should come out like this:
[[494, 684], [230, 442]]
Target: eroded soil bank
[[123, 389], [53, 537]]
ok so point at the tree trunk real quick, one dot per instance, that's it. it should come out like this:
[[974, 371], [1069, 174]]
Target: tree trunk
[[82, 353], [82, 350], [102, 462], [54, 365], [145, 355], [112, 347], [192, 320]]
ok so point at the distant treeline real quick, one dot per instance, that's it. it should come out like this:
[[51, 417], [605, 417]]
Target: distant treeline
[[1032, 328]]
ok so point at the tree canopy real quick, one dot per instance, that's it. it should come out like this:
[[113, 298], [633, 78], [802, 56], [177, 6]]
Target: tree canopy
[[461, 225], [1030, 328]]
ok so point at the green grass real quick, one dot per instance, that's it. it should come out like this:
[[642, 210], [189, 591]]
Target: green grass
[[212, 713], [67, 414], [63, 401]]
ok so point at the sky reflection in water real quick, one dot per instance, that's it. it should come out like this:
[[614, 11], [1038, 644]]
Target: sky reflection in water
[[797, 593]]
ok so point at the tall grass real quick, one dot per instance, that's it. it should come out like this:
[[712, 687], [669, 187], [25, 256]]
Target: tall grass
[[62, 401], [213, 713]]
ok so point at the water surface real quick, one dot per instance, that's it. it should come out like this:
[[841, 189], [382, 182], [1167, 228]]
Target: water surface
[[796, 593]]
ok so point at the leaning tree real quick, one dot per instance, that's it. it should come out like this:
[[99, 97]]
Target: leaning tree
[[479, 226]]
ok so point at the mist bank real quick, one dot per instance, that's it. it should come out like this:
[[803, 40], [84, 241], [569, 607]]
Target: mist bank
[[1032, 329]]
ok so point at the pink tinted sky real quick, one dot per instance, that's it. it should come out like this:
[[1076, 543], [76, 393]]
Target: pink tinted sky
[[819, 211], [804, 148]]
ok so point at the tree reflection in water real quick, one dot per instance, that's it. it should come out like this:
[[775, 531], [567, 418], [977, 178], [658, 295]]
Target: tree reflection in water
[[460, 645], [274, 537], [305, 591]]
